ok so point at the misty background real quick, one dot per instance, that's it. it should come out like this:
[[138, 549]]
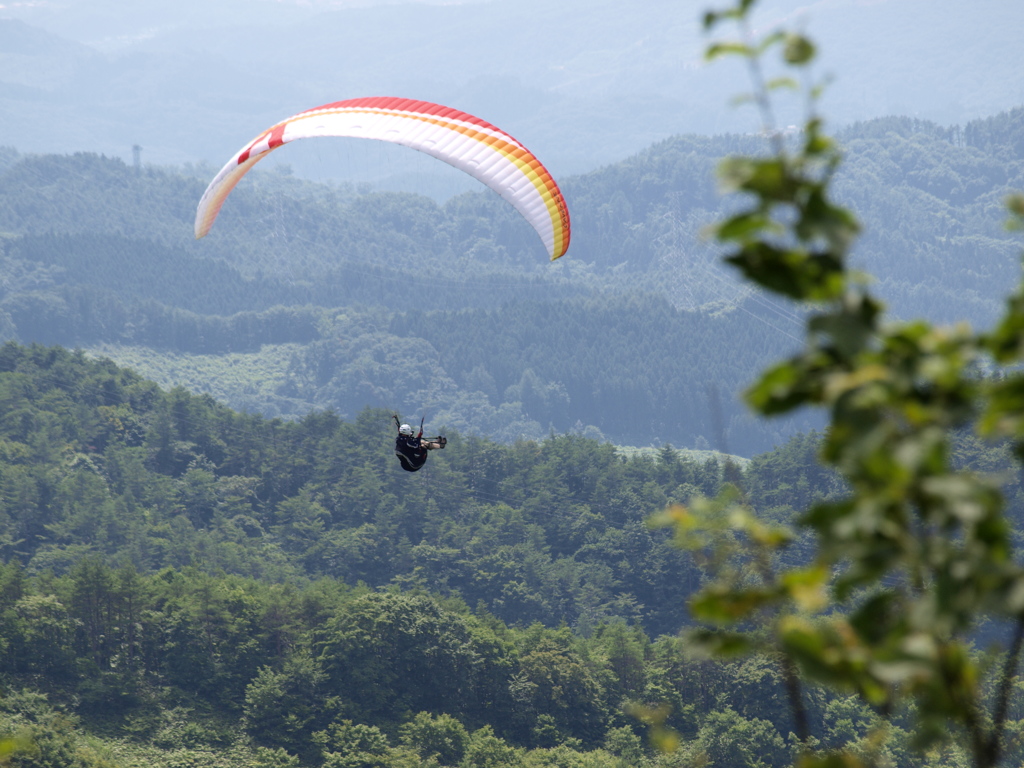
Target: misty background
[[584, 83]]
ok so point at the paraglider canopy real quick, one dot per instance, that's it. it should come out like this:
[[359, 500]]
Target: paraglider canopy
[[466, 142]]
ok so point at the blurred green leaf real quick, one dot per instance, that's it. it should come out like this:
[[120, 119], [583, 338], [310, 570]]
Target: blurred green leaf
[[721, 643], [920, 551], [725, 606], [798, 50], [1015, 204], [716, 50], [743, 226], [782, 83]]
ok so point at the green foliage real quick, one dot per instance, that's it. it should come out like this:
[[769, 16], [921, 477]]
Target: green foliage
[[394, 654], [352, 745], [729, 739], [172, 567], [35, 735], [282, 709], [101, 463], [486, 750], [442, 737], [393, 301], [171, 576], [625, 744], [917, 554], [556, 684]]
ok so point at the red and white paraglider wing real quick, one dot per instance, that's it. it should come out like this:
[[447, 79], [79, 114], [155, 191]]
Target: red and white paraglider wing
[[468, 143]]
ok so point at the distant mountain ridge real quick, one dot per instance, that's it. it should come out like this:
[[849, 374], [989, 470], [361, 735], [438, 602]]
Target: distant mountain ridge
[[395, 301], [581, 82]]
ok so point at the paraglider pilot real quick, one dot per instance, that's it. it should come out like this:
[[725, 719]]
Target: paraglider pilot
[[412, 450]]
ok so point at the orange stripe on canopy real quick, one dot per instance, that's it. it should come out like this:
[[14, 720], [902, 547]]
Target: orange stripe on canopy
[[466, 142]]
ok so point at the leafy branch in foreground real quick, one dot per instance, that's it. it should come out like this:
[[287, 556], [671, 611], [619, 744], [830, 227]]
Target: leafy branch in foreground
[[919, 554]]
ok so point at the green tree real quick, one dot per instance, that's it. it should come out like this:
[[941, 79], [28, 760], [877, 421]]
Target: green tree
[[626, 744], [567, 699], [34, 734], [389, 655], [283, 709], [353, 745], [486, 750], [728, 739], [920, 552], [442, 737], [39, 634]]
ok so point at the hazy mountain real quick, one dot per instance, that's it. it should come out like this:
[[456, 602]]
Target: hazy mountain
[[584, 83], [393, 300]]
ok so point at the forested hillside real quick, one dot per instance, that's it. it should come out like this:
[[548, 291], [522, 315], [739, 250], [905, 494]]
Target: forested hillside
[[394, 301], [192, 585], [100, 462]]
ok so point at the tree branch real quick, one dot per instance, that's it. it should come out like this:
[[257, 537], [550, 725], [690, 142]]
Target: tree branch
[[791, 678], [994, 743]]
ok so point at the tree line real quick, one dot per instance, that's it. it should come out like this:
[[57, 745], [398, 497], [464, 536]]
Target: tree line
[[98, 252], [171, 563]]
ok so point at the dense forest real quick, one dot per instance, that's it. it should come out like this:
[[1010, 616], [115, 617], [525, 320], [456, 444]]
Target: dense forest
[[396, 301], [187, 584], [100, 462], [210, 555]]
